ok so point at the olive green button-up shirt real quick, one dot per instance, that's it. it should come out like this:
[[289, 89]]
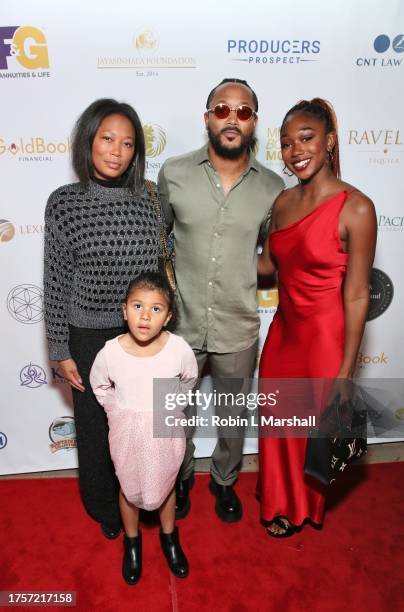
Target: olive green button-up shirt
[[215, 248]]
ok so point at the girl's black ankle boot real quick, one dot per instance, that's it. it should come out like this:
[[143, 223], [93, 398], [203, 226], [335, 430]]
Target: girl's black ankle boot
[[176, 559], [132, 559]]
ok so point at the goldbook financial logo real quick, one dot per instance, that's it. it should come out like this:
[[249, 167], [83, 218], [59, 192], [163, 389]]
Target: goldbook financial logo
[[149, 57], [34, 148], [380, 146], [23, 47]]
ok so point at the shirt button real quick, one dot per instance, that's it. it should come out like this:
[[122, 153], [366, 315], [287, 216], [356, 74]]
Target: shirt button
[[222, 208], [210, 283], [217, 184], [213, 258], [209, 308], [215, 234]]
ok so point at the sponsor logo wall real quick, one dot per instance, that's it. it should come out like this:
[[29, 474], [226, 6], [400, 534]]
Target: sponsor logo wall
[[164, 59]]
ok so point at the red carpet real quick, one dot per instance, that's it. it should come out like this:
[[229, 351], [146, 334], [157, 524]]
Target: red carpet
[[354, 563]]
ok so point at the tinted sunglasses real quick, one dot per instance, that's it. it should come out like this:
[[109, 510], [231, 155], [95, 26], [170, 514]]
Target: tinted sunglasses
[[243, 112]]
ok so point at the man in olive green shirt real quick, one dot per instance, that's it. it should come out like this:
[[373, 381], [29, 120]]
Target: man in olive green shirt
[[219, 199]]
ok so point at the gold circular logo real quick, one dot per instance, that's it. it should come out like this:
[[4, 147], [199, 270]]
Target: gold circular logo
[[146, 41], [7, 230], [400, 414], [155, 139]]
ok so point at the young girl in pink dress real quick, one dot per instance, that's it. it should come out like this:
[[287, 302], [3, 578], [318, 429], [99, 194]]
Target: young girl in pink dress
[[122, 380]]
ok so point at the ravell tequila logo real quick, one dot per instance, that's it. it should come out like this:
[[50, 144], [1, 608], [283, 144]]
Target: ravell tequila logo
[[383, 146]]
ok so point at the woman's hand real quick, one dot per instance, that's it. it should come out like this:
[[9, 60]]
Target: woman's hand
[[70, 372]]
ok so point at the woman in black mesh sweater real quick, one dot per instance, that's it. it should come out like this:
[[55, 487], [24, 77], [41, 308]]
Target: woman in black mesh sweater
[[99, 233]]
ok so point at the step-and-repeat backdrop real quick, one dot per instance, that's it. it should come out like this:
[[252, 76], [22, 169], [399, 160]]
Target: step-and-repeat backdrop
[[163, 58]]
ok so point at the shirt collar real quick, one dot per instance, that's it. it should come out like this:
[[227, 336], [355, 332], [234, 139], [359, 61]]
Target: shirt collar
[[202, 156]]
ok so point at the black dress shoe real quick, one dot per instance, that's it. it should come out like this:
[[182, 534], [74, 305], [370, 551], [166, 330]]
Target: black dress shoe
[[228, 506], [110, 532], [182, 501], [132, 559], [176, 559]]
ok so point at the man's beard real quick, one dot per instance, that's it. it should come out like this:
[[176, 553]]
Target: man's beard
[[246, 144]]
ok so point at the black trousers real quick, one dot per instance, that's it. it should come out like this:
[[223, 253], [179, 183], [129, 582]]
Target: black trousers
[[99, 486]]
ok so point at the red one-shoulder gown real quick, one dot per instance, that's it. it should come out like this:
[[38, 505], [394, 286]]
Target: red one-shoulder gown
[[305, 340]]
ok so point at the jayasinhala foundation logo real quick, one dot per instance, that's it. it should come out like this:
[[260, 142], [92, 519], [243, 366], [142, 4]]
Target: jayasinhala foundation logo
[[148, 52]]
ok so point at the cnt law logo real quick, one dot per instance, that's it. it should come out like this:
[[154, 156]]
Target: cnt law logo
[[23, 47], [387, 52]]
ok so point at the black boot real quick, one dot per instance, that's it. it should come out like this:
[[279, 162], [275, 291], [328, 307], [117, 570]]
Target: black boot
[[132, 558], [176, 559], [182, 501]]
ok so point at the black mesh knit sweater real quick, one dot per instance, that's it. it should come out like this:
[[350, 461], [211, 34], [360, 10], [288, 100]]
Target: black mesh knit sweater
[[96, 240]]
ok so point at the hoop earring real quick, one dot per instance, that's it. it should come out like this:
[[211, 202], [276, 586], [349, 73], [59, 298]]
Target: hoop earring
[[285, 171]]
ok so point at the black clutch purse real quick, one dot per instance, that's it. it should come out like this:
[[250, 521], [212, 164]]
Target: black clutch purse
[[340, 439]]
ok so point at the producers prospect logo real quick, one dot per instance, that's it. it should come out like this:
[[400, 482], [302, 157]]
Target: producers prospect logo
[[25, 304], [155, 139], [381, 293], [62, 433], [7, 230], [32, 376], [23, 47], [146, 54], [272, 50]]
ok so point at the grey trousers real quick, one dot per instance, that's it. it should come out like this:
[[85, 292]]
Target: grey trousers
[[227, 454]]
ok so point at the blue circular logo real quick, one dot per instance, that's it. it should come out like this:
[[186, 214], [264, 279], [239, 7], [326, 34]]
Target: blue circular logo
[[382, 43], [32, 376], [3, 440], [398, 43]]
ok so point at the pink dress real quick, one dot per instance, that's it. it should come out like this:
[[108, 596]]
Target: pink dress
[[146, 465]]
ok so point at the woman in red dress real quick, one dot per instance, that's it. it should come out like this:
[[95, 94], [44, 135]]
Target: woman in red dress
[[321, 241]]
